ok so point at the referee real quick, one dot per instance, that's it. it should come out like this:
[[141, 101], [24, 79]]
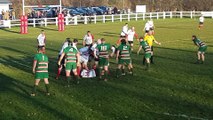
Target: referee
[[149, 38]]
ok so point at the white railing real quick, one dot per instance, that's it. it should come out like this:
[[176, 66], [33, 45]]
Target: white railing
[[111, 18]]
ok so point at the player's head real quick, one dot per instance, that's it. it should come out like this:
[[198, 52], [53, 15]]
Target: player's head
[[99, 41], [75, 40], [103, 40], [42, 31], [194, 37], [123, 41], [41, 49], [67, 40], [133, 28], [150, 32], [141, 39], [126, 24], [88, 33]]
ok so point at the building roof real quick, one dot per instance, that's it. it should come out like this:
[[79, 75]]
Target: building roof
[[5, 1]]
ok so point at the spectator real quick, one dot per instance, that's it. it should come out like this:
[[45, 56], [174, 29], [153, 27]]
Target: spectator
[[13, 15]]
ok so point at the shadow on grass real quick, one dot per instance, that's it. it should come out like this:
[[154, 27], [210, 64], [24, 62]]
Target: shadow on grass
[[9, 30], [46, 28], [9, 85]]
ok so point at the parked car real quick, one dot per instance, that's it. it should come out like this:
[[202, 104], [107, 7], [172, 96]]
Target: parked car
[[74, 12], [89, 11], [105, 9], [83, 12], [98, 10]]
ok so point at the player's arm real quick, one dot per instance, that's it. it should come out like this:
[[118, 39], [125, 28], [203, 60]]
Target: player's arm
[[139, 49], [156, 41], [83, 42], [113, 51], [136, 36], [78, 58], [95, 51], [34, 65], [117, 55], [60, 59], [93, 38]]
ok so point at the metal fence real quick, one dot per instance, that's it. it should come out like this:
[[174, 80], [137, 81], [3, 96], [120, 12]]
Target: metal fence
[[110, 18]]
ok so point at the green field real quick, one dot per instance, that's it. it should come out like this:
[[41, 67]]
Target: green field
[[173, 89]]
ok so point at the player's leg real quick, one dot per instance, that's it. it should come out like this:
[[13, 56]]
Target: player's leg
[[60, 67], [198, 57], [106, 72], [147, 63], [118, 70], [35, 87], [123, 69], [46, 86], [68, 77], [152, 55], [147, 56], [76, 77], [130, 67], [202, 58]]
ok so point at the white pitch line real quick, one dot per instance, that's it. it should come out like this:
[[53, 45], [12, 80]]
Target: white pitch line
[[184, 116]]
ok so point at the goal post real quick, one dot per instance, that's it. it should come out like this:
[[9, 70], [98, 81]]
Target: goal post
[[24, 19]]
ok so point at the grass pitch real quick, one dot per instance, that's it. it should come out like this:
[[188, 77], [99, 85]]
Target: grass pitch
[[174, 88]]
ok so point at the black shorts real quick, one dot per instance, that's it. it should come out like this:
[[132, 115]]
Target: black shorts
[[151, 28], [146, 31], [152, 48], [130, 42], [201, 23]]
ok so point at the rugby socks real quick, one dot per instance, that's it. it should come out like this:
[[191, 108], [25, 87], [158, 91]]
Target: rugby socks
[[106, 74], [100, 72], [59, 72], [118, 72], [144, 59], [147, 66], [68, 80], [78, 71], [34, 89], [76, 78], [47, 87], [123, 71], [152, 60]]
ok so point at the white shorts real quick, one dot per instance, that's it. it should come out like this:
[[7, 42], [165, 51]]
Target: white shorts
[[84, 60]]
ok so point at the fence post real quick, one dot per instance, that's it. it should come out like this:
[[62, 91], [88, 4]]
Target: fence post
[[212, 15], [128, 17], [120, 17], [136, 16], [143, 16], [45, 22], [171, 15], [34, 22], [9, 23], [181, 14], [67, 20], [164, 15], [104, 19], [157, 15], [95, 19], [85, 19], [56, 21], [150, 15], [191, 14], [75, 20], [112, 18]]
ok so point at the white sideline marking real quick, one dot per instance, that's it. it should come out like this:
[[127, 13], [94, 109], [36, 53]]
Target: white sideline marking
[[184, 116]]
